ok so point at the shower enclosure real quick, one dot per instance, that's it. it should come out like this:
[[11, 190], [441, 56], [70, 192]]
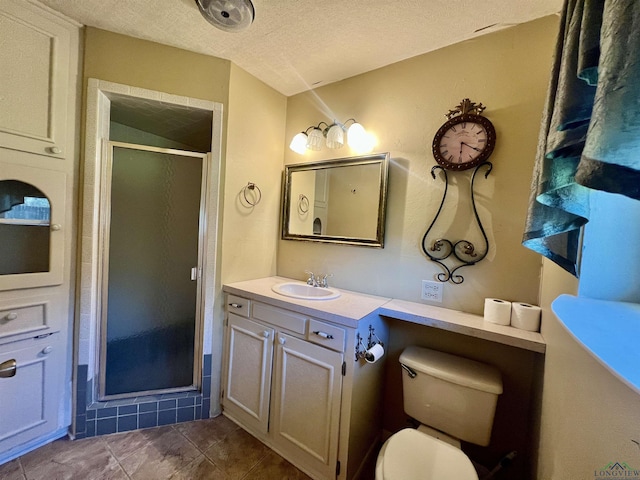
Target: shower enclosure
[[153, 217]]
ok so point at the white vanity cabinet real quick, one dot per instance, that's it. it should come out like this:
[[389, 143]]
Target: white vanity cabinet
[[283, 388], [289, 380]]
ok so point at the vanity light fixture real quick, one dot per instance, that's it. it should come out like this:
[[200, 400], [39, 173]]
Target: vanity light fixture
[[333, 137]]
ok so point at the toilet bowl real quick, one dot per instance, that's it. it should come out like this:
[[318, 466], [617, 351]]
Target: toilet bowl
[[414, 455]]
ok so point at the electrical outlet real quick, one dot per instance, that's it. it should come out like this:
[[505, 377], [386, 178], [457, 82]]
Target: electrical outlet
[[432, 291]]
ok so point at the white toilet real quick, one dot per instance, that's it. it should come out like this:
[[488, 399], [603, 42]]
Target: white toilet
[[454, 399]]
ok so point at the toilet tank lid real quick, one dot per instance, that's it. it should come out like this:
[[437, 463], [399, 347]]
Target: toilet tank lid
[[454, 369]]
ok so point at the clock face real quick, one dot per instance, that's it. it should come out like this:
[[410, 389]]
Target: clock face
[[464, 142]]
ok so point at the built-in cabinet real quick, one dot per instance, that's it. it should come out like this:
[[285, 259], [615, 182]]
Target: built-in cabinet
[[289, 379], [35, 54], [38, 165]]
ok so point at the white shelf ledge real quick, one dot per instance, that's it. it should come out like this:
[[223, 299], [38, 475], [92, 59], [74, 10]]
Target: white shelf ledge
[[609, 331], [463, 323]]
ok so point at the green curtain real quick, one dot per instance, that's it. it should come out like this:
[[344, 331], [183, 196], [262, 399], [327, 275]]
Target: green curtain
[[590, 132]]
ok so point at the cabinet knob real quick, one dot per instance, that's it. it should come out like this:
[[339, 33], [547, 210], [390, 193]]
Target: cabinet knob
[[56, 227], [11, 316], [265, 334], [54, 150], [235, 305], [47, 349], [282, 340]]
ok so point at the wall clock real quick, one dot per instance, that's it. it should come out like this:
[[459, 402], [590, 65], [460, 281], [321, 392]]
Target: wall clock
[[466, 139]]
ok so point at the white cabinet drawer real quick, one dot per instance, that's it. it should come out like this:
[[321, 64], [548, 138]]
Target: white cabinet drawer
[[23, 318], [326, 335], [280, 318], [238, 305]]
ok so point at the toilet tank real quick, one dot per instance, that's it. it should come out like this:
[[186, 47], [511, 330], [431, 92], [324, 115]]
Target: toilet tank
[[455, 395]]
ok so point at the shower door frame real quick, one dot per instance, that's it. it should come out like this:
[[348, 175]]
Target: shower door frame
[[103, 266]]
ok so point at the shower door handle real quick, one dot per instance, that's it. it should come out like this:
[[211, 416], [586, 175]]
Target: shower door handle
[[8, 368]]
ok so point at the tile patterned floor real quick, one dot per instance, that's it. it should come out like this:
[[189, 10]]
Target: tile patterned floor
[[206, 449]]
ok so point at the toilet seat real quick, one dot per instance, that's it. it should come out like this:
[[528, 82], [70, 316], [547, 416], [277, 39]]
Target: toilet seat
[[413, 455]]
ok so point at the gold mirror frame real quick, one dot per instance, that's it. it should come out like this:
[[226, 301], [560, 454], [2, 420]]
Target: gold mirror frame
[[289, 203]]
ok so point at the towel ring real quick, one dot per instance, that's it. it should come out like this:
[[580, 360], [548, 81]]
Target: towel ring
[[255, 197], [303, 203]]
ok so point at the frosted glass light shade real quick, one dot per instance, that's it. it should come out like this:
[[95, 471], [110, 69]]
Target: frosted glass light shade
[[299, 143], [335, 136], [315, 139], [356, 136]]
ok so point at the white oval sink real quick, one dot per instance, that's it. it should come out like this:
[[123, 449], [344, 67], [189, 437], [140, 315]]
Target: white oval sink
[[303, 291]]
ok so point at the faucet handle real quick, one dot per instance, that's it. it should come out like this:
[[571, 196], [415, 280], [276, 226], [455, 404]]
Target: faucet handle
[[323, 281], [312, 278]]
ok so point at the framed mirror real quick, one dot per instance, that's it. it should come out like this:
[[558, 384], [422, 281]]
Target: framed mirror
[[336, 201]]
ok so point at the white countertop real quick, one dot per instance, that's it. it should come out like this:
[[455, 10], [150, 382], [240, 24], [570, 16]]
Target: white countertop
[[346, 310], [608, 330], [350, 307]]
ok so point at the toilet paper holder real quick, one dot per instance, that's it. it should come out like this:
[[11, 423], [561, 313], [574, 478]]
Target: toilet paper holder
[[373, 339]]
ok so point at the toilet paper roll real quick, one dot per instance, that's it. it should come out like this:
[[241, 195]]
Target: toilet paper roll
[[525, 316], [374, 354], [497, 311]]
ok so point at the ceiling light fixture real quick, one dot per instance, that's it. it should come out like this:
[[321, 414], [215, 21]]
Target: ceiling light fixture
[[227, 15], [333, 137]]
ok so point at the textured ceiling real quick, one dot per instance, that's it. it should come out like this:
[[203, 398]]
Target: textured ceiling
[[295, 45]]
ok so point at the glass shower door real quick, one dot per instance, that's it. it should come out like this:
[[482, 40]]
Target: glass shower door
[[151, 265]]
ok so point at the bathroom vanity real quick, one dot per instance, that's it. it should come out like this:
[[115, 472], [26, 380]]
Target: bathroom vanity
[[291, 376]]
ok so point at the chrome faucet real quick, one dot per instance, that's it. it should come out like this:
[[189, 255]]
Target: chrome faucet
[[318, 280]]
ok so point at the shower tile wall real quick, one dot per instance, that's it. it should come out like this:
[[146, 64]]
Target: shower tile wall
[[102, 418]]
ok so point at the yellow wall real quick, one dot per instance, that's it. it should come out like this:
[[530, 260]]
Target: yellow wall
[[403, 105], [254, 154], [140, 63]]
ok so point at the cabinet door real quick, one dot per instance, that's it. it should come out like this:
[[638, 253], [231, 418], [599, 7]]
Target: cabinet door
[[34, 253], [30, 399], [306, 404], [248, 378], [34, 79]]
